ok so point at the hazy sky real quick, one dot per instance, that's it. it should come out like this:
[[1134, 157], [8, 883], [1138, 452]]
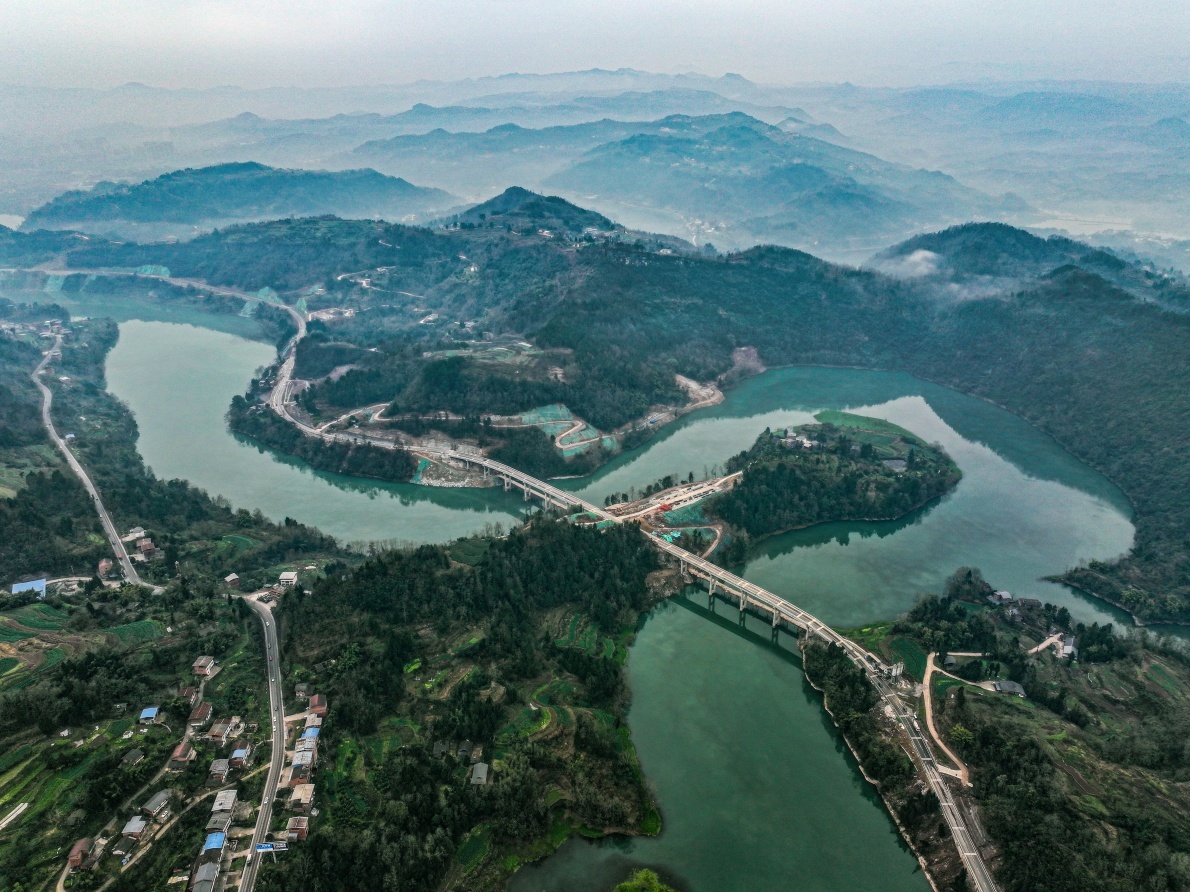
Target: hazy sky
[[340, 42]]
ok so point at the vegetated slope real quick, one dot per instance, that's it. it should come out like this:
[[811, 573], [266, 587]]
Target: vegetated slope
[[996, 256], [243, 191], [446, 644], [1099, 367], [822, 472], [764, 184]]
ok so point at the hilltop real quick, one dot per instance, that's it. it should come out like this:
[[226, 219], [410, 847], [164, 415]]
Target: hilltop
[[237, 192]]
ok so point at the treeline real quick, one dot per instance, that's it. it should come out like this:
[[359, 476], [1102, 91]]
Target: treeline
[[1097, 366], [402, 828], [186, 523], [355, 459], [783, 488]]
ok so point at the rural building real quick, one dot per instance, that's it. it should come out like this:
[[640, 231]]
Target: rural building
[[950, 662], [479, 774], [301, 799], [288, 579], [297, 828], [219, 732], [225, 800], [220, 768], [313, 721], [104, 567], [1008, 687], [203, 665], [190, 695], [318, 705], [219, 822], [133, 534], [205, 877], [135, 828], [123, 846], [157, 803], [214, 845], [146, 547], [148, 715], [133, 757], [1015, 616], [302, 691], [201, 715], [231, 580], [464, 750], [240, 754], [182, 756], [34, 585], [1031, 603], [311, 733], [1070, 647], [306, 745], [79, 852]]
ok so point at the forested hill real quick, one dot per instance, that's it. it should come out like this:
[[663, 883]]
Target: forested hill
[[240, 191], [1101, 368], [869, 470]]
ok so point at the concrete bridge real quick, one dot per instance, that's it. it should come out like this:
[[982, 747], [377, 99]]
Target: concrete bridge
[[749, 596]]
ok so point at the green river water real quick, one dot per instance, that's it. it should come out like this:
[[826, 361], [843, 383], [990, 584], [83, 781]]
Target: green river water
[[756, 788]]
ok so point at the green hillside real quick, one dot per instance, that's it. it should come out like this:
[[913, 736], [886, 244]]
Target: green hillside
[[245, 191]]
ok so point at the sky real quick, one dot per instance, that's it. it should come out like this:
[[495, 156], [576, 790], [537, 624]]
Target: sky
[[261, 43]]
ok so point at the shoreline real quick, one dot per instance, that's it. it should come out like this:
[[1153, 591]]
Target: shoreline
[[888, 807]]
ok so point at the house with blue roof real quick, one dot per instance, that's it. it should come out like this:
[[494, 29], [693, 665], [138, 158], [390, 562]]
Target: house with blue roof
[[35, 585], [310, 733], [214, 843], [149, 714]]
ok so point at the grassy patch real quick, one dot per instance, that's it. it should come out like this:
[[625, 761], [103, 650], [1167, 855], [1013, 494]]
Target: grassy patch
[[7, 664], [39, 616], [9, 635], [474, 848], [137, 632], [870, 637], [469, 551], [910, 653]]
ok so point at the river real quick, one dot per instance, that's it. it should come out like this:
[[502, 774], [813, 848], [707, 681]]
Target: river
[[755, 786]]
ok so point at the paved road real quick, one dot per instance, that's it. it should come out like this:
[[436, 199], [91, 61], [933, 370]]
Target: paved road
[[277, 716], [47, 399]]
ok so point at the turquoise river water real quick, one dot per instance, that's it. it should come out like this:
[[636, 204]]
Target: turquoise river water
[[756, 789]]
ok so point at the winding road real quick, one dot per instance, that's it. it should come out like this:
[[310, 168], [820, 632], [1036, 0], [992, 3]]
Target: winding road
[[109, 527], [277, 763]]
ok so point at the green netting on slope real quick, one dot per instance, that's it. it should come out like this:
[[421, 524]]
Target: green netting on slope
[[152, 269], [543, 414]]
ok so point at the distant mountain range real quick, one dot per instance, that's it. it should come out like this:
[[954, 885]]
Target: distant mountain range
[[238, 192]]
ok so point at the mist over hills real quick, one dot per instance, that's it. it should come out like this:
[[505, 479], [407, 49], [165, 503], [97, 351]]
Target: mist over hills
[[1083, 157], [233, 193]]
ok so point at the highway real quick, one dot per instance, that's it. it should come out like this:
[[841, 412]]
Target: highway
[[277, 763], [749, 593], [109, 528]]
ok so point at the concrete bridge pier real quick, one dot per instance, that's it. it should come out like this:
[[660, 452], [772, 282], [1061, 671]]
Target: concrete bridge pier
[[711, 595]]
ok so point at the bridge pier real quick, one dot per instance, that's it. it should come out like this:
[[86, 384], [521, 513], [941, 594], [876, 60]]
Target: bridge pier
[[711, 594]]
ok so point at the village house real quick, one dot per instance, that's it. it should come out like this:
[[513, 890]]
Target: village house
[[190, 695], [217, 776], [297, 828], [135, 828], [150, 715], [205, 877], [1070, 647], [318, 705], [133, 757], [182, 756], [104, 568], [79, 852], [201, 716], [157, 803], [204, 665], [219, 732], [302, 691], [146, 547], [231, 580], [241, 752], [225, 800], [301, 800], [288, 579], [479, 774]]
